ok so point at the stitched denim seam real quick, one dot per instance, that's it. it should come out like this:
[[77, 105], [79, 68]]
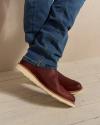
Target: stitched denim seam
[[35, 5], [37, 62]]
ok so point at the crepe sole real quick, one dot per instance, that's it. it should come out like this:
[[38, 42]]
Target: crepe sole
[[35, 80], [76, 92]]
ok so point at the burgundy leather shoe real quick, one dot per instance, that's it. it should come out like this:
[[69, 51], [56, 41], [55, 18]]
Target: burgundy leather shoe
[[46, 79], [70, 85]]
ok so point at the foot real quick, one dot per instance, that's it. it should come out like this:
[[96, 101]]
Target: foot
[[70, 85], [47, 79]]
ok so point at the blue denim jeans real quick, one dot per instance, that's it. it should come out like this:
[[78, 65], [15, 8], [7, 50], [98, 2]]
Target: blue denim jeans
[[46, 26]]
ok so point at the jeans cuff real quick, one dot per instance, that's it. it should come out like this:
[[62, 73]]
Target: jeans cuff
[[39, 61], [29, 38]]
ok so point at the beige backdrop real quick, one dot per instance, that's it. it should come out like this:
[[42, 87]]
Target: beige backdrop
[[83, 42]]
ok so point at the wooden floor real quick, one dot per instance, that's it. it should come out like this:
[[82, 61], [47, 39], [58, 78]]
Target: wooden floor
[[22, 103]]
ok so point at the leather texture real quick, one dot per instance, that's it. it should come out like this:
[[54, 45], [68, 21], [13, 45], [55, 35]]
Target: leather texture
[[49, 78], [69, 84]]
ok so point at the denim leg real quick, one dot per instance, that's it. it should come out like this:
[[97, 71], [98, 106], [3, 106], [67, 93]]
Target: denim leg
[[35, 14], [51, 39]]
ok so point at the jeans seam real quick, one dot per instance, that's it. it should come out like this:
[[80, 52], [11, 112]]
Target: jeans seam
[[35, 5], [37, 62]]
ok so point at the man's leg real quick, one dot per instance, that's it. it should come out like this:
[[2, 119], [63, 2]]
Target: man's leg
[[35, 14], [48, 45]]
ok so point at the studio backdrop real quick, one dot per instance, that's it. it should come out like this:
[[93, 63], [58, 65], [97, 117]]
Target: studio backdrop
[[84, 37]]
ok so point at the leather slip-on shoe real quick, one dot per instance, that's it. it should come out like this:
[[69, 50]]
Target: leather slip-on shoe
[[70, 85], [46, 79]]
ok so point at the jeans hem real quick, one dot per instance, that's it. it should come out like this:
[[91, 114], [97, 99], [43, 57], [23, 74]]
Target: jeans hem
[[38, 63]]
